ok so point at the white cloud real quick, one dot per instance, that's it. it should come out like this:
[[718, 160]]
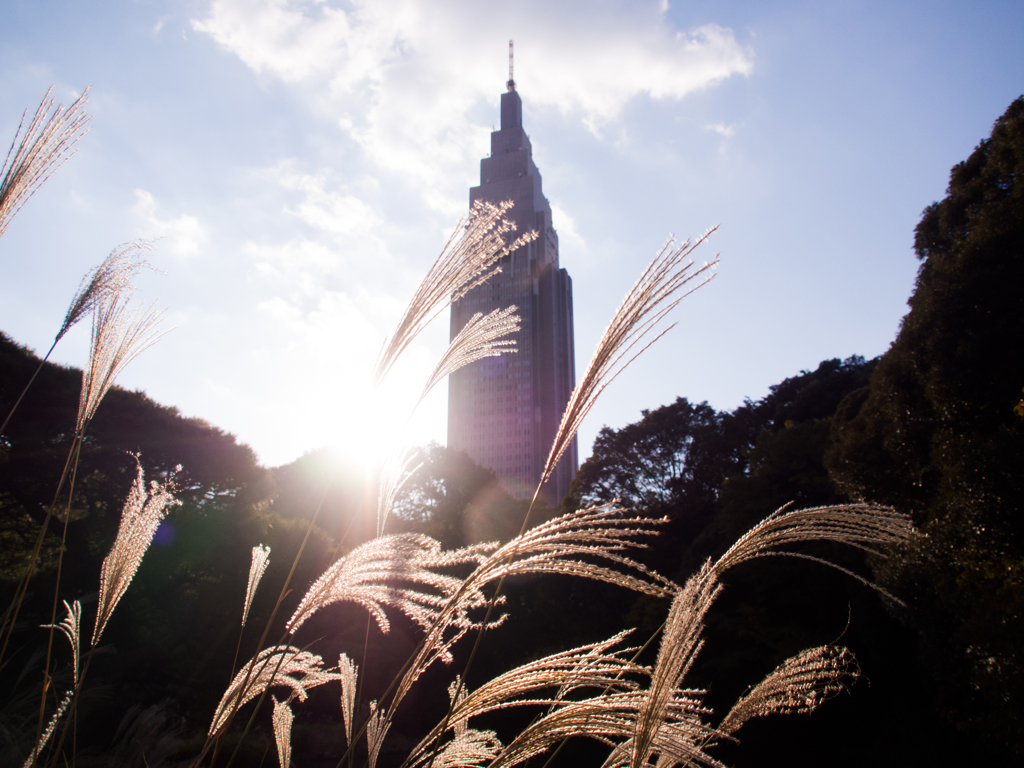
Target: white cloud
[[722, 129], [568, 235], [337, 212], [185, 235], [401, 76]]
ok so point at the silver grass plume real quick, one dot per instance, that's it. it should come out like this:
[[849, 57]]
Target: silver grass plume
[[864, 526], [393, 571], [70, 627], [282, 722], [113, 277], [480, 337], [595, 665], [468, 749], [260, 560], [45, 736], [680, 643], [142, 514], [609, 718], [376, 730], [44, 146], [656, 293], [281, 665], [859, 525], [587, 543], [799, 685], [394, 473], [467, 260], [118, 337], [348, 672]]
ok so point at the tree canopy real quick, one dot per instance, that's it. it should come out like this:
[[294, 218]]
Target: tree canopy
[[936, 434]]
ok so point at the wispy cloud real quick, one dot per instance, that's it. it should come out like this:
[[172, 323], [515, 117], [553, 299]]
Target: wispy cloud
[[722, 129], [185, 234], [566, 227], [402, 76]]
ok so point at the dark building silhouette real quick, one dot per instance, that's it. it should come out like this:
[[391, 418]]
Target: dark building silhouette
[[504, 411]]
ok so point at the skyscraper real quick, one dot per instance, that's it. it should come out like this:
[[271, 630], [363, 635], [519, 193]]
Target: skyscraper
[[504, 411]]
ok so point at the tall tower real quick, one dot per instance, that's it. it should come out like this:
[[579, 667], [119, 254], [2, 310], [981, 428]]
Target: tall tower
[[504, 411]]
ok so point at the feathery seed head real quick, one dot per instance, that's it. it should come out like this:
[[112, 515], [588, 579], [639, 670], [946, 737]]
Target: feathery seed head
[[113, 277], [348, 673], [142, 514], [800, 684], [282, 722], [70, 627], [281, 665], [468, 259], [45, 736], [393, 571], [394, 473], [118, 337], [680, 643], [480, 337], [260, 561], [864, 526], [635, 326], [44, 147]]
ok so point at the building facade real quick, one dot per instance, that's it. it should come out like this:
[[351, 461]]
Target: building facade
[[504, 411]]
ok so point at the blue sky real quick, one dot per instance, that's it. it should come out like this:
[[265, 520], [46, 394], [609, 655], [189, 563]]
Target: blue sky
[[303, 161]]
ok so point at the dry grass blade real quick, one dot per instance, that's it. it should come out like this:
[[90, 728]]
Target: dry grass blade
[[610, 719], [70, 627], [45, 145], [260, 561], [282, 722], [394, 474], [46, 734], [281, 665], [349, 672], [112, 278], [590, 666], [467, 260], [142, 514], [587, 543], [680, 643], [376, 730], [390, 572], [568, 544], [480, 337], [634, 328], [467, 749], [118, 337], [864, 526], [799, 685]]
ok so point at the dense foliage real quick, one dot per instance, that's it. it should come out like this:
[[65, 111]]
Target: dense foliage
[[937, 434], [933, 427]]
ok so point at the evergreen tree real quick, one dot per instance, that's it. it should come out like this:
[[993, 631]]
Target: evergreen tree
[[936, 434]]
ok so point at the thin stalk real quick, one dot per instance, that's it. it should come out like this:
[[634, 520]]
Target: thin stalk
[[56, 588], [22, 395], [12, 616], [636, 656], [266, 631], [72, 710], [480, 632]]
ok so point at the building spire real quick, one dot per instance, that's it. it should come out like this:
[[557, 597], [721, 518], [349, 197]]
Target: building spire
[[511, 81]]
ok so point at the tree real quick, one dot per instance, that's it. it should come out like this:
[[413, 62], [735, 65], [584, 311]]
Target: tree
[[935, 434], [456, 501], [649, 464]]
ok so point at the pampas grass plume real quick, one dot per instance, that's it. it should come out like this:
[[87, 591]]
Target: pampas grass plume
[[142, 514], [45, 145]]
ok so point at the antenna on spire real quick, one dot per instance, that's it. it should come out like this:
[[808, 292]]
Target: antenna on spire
[[511, 81]]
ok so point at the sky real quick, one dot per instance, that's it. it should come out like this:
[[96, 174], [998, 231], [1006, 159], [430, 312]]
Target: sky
[[300, 164]]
